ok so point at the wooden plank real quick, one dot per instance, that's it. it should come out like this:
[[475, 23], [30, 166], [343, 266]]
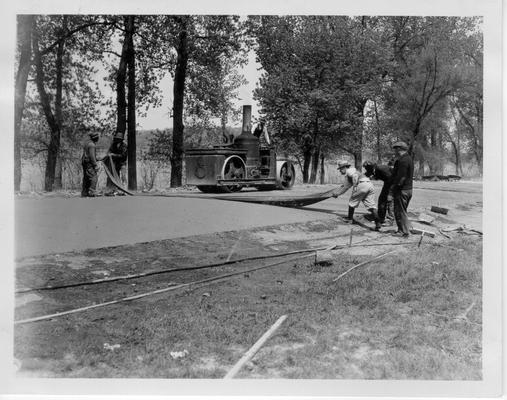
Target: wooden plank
[[425, 219], [417, 231], [255, 348], [439, 210]]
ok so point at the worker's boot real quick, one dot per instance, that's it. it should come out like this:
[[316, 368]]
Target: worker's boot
[[350, 216], [378, 225]]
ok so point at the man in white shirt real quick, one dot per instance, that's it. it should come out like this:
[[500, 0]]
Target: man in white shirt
[[362, 191]]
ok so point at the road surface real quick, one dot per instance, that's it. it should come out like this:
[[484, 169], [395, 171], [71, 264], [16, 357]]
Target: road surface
[[55, 225]]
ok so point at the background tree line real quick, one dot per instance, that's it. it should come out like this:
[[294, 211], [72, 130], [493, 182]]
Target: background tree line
[[357, 84], [329, 85]]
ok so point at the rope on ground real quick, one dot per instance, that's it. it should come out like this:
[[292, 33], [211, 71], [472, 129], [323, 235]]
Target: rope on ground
[[154, 292], [361, 264], [228, 262], [168, 270]]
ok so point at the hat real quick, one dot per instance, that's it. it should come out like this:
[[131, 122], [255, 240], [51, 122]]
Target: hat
[[93, 135], [118, 135], [400, 145], [368, 164], [343, 164]]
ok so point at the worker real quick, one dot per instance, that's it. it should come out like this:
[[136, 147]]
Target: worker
[[401, 184], [114, 160], [90, 166], [385, 198], [262, 129], [362, 191]]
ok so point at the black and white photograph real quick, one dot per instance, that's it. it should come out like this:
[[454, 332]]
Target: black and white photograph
[[252, 199]]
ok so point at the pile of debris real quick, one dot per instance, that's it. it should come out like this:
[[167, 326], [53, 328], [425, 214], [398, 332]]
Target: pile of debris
[[441, 178], [427, 219]]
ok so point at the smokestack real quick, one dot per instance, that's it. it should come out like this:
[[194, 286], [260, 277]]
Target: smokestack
[[247, 119]]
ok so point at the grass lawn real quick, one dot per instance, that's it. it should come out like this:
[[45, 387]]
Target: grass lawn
[[415, 314]]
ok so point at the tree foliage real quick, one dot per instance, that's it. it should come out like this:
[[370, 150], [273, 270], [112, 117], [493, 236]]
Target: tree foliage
[[330, 85], [319, 73], [64, 93]]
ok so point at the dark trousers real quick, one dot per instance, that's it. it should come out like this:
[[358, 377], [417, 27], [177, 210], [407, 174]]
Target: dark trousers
[[401, 201], [384, 203], [90, 178]]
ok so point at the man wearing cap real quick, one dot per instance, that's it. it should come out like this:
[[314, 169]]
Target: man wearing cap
[[401, 185], [115, 160], [362, 191], [385, 198], [90, 166], [262, 129]]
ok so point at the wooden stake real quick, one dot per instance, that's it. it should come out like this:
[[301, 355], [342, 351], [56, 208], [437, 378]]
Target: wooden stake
[[420, 240], [255, 348], [350, 238]]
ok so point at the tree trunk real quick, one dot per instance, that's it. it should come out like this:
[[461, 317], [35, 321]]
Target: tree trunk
[[478, 157], [415, 134], [121, 78], [179, 96], [322, 170], [379, 150], [131, 108], [456, 156], [315, 164], [358, 160], [479, 131], [54, 142], [420, 170], [58, 172], [25, 26], [478, 137], [307, 155], [315, 152], [459, 164], [434, 165], [223, 125], [58, 99], [358, 145]]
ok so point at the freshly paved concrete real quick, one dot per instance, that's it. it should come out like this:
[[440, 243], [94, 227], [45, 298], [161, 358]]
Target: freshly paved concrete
[[54, 225]]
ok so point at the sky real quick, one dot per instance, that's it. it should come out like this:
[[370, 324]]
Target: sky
[[159, 118]]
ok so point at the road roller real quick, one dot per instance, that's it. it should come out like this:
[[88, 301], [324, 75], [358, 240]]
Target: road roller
[[243, 162]]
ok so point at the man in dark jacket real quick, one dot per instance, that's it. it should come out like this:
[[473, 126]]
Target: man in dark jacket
[[385, 199], [114, 160], [403, 173], [90, 166]]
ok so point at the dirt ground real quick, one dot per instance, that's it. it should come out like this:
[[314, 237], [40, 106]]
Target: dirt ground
[[61, 346]]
